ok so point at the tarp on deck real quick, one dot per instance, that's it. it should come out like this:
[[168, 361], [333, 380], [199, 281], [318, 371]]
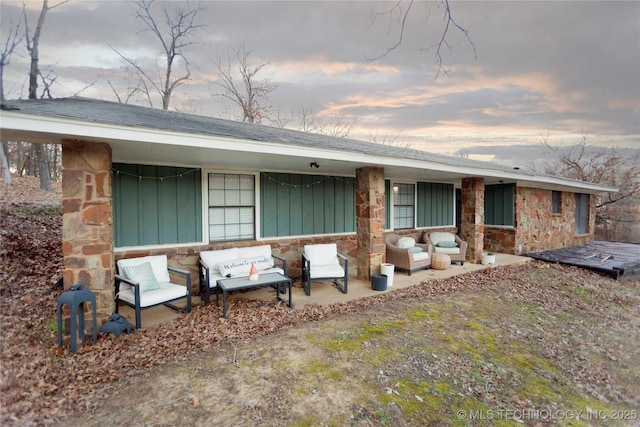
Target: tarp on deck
[[616, 259]]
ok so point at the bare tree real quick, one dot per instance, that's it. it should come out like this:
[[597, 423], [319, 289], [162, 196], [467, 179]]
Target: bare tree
[[309, 121], [239, 83], [616, 212], [389, 139], [400, 12], [33, 42], [174, 34], [13, 39]]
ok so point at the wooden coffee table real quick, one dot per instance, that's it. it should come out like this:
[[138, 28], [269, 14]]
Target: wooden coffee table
[[237, 283]]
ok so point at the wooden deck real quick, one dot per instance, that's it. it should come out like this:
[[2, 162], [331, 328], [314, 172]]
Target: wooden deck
[[615, 259]]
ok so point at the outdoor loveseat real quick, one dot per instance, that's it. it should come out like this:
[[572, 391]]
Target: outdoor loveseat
[[235, 262]]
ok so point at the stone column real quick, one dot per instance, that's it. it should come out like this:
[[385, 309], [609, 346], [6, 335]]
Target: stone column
[[472, 221], [370, 216], [87, 223]]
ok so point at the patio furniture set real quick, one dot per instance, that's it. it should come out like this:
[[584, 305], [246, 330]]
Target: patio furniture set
[[147, 282]]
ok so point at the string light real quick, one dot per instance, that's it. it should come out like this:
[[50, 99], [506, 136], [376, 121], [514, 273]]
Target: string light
[[161, 178], [311, 184], [320, 180]]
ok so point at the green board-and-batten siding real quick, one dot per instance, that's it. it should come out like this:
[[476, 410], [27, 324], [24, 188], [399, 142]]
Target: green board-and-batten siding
[[156, 205], [435, 204], [298, 205], [499, 205]]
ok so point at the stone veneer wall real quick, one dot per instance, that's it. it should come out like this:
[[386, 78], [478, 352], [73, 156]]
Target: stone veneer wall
[[536, 228], [370, 218], [87, 232], [472, 221]]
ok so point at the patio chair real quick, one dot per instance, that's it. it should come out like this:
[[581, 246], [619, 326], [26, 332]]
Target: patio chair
[[145, 282], [406, 254], [445, 242], [322, 262]]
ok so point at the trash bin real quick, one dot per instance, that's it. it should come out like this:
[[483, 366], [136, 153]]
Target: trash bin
[[378, 282], [387, 269]]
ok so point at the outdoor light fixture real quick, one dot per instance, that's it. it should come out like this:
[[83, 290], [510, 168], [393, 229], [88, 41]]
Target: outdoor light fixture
[[314, 164]]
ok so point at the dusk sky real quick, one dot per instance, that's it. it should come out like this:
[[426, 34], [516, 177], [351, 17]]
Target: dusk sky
[[559, 69]]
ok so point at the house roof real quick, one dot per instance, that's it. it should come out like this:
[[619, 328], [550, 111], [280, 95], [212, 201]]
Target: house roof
[[146, 135]]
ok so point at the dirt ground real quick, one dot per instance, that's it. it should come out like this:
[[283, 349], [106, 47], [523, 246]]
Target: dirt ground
[[563, 349], [534, 344]]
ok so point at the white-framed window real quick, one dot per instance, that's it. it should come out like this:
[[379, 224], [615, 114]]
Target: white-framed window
[[232, 206], [404, 205]]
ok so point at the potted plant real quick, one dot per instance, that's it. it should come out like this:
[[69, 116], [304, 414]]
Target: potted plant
[[488, 258]]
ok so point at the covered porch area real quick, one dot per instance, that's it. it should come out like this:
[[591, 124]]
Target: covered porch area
[[326, 293]]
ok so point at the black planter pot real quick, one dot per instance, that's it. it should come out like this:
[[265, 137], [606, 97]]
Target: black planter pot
[[378, 282]]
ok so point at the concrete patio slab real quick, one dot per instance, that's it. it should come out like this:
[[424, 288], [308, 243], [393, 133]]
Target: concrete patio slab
[[325, 293]]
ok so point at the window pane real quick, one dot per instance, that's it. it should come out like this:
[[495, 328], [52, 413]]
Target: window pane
[[232, 216], [246, 197], [246, 231], [216, 197], [246, 215], [231, 197], [216, 232], [216, 216], [216, 181], [232, 182], [246, 182]]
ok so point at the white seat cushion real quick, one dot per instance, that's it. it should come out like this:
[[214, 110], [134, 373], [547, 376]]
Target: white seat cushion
[[166, 292], [329, 271], [421, 256], [448, 251]]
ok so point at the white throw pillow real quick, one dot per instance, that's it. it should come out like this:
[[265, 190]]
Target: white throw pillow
[[442, 236], [322, 254], [240, 267], [406, 242]]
